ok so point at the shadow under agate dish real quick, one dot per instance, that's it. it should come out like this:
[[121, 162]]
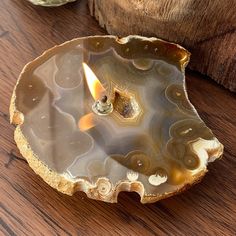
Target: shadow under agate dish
[[153, 143]]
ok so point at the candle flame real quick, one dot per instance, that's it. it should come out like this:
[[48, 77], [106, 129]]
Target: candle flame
[[95, 87], [87, 122]]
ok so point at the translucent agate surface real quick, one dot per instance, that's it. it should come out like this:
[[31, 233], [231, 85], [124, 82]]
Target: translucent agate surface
[[50, 3], [153, 142]]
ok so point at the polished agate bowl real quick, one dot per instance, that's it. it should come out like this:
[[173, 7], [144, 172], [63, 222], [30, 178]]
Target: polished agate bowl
[[50, 3], [153, 142]]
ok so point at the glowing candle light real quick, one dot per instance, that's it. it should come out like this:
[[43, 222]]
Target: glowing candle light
[[102, 105], [95, 87]]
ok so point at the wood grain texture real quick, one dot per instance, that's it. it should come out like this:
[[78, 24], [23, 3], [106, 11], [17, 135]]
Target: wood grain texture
[[206, 28], [28, 206]]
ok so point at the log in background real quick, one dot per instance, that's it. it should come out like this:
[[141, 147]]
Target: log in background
[[28, 206], [206, 28]]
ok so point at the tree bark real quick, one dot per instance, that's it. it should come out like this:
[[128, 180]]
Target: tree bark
[[206, 28]]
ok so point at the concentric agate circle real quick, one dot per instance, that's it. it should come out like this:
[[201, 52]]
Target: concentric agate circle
[[153, 143]]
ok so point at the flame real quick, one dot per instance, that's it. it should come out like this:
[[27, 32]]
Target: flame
[[95, 87], [87, 122]]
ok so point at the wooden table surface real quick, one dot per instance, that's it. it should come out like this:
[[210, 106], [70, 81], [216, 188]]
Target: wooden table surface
[[30, 207]]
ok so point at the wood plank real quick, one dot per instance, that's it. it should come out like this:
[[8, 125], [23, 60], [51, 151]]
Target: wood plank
[[28, 206], [206, 28]]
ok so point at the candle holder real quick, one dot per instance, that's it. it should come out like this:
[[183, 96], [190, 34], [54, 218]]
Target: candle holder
[[103, 107], [50, 3], [104, 114]]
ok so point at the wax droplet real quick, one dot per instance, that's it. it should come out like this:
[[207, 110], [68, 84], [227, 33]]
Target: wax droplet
[[159, 177], [43, 117], [30, 85], [156, 179], [132, 175], [178, 94], [186, 131], [34, 99], [97, 44], [127, 50], [139, 163], [146, 47], [156, 49]]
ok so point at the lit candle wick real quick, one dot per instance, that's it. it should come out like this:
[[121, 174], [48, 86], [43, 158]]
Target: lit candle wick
[[102, 105], [95, 86], [104, 99]]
